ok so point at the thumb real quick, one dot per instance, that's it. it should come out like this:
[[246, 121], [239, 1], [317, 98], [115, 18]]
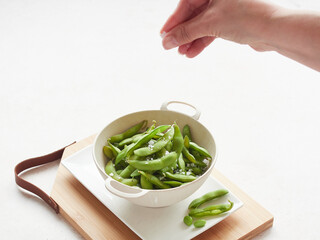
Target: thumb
[[185, 33]]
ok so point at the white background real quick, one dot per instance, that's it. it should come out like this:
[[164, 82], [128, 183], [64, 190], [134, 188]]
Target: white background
[[67, 68]]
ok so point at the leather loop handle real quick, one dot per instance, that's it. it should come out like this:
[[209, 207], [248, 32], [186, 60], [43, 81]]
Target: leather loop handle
[[33, 162]]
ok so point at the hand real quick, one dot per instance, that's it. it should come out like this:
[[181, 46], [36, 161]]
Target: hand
[[196, 23]]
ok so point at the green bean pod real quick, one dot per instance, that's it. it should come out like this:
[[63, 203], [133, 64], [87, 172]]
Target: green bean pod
[[156, 164], [154, 180], [181, 163], [186, 132], [186, 142], [108, 152], [146, 138], [110, 170], [188, 155], [219, 208], [207, 197], [180, 177], [127, 171], [199, 149], [123, 153], [177, 141], [135, 173], [145, 183], [173, 183], [160, 144], [114, 149], [129, 133]]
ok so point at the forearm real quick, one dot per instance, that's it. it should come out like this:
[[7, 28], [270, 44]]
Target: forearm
[[294, 34]]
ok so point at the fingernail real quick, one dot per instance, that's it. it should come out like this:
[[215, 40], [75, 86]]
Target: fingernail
[[170, 42], [163, 34]]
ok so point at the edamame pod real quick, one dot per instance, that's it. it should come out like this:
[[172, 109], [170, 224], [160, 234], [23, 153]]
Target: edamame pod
[[180, 177], [186, 132], [157, 164], [207, 197], [145, 184], [211, 210], [160, 144], [147, 138], [177, 141], [108, 152], [110, 170], [129, 133], [154, 180], [123, 153], [199, 149], [127, 171]]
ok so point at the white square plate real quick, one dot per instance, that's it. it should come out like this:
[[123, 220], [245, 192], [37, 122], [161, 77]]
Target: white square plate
[[147, 223]]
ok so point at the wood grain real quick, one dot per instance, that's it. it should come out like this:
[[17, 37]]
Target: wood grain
[[94, 221]]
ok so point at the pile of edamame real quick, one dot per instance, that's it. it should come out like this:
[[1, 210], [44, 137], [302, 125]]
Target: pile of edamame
[[212, 210], [159, 157]]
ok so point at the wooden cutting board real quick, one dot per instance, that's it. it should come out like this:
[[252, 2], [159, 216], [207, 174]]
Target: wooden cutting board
[[94, 221]]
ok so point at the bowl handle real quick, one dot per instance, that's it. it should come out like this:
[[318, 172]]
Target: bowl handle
[[114, 187], [196, 116]]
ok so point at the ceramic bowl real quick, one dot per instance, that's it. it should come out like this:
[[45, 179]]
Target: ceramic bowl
[[155, 198]]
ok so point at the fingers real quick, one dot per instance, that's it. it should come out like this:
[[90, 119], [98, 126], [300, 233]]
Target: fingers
[[185, 10], [185, 33], [196, 47]]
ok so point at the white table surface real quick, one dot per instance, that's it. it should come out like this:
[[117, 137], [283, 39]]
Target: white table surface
[[67, 68]]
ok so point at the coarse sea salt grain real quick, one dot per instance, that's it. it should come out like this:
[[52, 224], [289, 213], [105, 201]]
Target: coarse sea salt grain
[[206, 161], [166, 153], [111, 174]]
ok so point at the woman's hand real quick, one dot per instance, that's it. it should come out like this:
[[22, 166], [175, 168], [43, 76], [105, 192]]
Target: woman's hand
[[196, 23]]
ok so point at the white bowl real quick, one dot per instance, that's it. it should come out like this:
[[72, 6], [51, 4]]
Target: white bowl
[[154, 198]]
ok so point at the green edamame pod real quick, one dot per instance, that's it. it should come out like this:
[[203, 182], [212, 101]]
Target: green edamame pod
[[188, 220], [196, 170], [129, 133], [177, 141], [154, 180], [156, 164], [181, 163], [110, 170], [108, 152], [127, 171], [188, 155], [160, 144], [211, 210], [186, 132], [123, 153], [207, 197], [186, 142], [173, 183], [135, 173], [146, 138], [180, 177], [114, 149], [199, 149], [199, 223], [168, 147], [144, 182], [119, 171], [125, 142]]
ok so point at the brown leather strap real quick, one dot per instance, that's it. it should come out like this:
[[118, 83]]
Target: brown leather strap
[[33, 162]]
